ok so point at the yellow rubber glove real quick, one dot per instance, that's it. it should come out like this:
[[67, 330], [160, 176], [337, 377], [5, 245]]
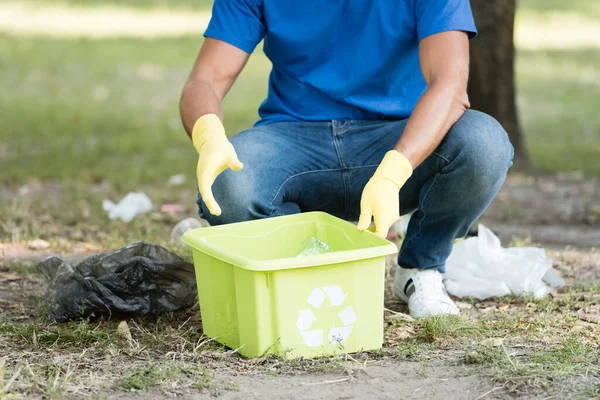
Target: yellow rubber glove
[[216, 154], [380, 197]]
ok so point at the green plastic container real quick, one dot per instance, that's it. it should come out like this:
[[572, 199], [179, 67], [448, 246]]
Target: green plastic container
[[257, 296]]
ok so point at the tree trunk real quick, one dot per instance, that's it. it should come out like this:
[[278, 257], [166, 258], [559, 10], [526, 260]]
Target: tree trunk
[[492, 77]]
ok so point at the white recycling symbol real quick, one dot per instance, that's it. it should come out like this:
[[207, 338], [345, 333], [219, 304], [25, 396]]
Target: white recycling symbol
[[337, 334]]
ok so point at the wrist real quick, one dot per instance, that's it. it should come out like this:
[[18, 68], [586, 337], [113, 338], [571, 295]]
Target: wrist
[[395, 167], [207, 127]]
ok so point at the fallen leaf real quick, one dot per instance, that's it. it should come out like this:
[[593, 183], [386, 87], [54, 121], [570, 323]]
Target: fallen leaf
[[38, 244], [87, 248], [493, 342], [7, 276], [257, 360], [463, 306], [577, 328], [401, 317], [594, 318], [123, 330], [403, 334]]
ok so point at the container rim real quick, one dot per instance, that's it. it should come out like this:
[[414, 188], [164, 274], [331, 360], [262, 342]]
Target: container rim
[[336, 257]]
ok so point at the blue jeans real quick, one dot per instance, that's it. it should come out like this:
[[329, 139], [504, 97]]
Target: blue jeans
[[293, 167]]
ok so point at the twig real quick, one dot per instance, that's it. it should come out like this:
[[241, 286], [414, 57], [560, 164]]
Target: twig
[[201, 343], [326, 382], [230, 352], [185, 322], [488, 392], [509, 359], [405, 317], [10, 381], [56, 379]]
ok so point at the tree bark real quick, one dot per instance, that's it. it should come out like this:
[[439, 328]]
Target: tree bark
[[492, 76]]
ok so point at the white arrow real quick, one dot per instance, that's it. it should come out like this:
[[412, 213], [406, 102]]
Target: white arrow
[[313, 338], [305, 319], [339, 335], [316, 298], [335, 294], [347, 316]]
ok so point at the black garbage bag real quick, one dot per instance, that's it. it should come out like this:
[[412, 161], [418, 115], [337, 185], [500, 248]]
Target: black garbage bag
[[139, 279]]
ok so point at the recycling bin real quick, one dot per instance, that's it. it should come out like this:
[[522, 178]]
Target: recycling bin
[[257, 296]]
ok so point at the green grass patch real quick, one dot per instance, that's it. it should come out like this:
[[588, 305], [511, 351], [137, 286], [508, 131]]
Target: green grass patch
[[556, 95], [593, 287], [67, 336], [539, 368], [87, 111], [155, 375], [593, 391], [447, 326], [534, 344], [590, 8], [19, 267]]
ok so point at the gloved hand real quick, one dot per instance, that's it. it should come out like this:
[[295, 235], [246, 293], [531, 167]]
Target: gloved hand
[[380, 197], [216, 154]]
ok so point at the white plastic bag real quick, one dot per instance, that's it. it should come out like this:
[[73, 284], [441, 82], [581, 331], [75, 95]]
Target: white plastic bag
[[479, 267], [133, 204]]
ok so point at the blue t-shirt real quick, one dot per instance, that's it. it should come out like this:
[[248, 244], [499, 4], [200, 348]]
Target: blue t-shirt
[[339, 59]]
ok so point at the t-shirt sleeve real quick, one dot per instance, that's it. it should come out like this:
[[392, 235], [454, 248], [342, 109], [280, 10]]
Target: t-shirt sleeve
[[435, 16], [237, 22]]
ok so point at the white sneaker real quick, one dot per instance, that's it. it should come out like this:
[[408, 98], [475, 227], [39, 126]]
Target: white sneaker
[[424, 292]]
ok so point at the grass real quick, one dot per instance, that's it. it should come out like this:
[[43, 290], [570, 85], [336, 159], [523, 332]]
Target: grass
[[522, 343], [446, 326], [153, 375], [589, 8], [556, 91], [168, 353], [541, 368], [87, 111]]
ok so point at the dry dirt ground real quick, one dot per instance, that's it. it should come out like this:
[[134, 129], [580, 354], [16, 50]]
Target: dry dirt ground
[[500, 349], [561, 210]]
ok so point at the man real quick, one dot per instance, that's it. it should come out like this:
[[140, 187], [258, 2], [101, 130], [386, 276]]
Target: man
[[366, 118]]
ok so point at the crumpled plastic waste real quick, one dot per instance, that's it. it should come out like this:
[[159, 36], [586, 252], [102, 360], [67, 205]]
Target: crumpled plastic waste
[[480, 267], [184, 226], [172, 208], [133, 204], [177, 180], [312, 246], [400, 227], [139, 279]]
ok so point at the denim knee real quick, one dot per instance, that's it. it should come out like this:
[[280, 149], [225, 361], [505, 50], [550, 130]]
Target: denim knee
[[238, 198], [242, 195], [479, 147]]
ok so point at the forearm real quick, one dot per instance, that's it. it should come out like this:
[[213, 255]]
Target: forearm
[[438, 109], [198, 98]]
